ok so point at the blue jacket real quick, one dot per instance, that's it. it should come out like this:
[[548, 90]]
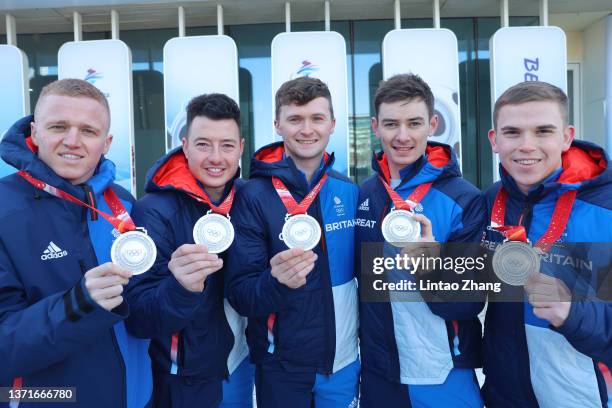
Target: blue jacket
[[527, 362], [51, 332], [163, 306], [314, 327], [418, 342]]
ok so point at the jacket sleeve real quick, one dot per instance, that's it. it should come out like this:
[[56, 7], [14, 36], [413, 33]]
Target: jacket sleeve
[[250, 287], [34, 336], [159, 304], [462, 243], [588, 328]]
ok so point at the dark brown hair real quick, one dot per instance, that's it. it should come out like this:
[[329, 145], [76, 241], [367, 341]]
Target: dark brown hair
[[300, 91], [214, 106], [404, 87]]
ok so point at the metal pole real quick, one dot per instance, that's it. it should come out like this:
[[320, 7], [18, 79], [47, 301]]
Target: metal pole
[[219, 19], [436, 13], [11, 30], [181, 21], [543, 12], [287, 17], [114, 25], [327, 16], [77, 26], [505, 18], [396, 14]]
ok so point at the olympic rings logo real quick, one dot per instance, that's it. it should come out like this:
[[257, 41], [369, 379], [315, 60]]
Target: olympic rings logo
[[213, 233]]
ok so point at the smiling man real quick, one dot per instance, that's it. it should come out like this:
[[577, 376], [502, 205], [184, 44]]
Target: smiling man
[[61, 303], [417, 353], [546, 350], [197, 338], [295, 283]]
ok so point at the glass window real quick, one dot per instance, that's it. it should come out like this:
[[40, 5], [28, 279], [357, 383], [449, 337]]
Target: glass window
[[363, 40]]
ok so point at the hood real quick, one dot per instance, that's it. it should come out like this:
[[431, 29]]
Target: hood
[[18, 150], [268, 162], [437, 163], [171, 172], [584, 166]]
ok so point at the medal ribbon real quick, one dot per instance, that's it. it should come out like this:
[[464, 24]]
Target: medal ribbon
[[223, 208], [293, 208], [120, 219], [558, 222], [413, 199]]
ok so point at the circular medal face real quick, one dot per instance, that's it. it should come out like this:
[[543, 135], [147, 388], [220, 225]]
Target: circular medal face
[[215, 231], [514, 261], [301, 231], [134, 251], [399, 228]]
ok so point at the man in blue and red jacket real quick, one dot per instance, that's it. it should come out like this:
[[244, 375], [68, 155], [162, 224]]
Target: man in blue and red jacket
[[197, 339], [301, 304], [61, 306], [550, 347], [417, 353]]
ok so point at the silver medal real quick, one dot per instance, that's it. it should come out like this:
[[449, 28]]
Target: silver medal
[[515, 261], [134, 251], [215, 231], [399, 228], [301, 231]]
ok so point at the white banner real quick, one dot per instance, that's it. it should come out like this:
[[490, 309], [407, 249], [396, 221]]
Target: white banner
[[520, 54], [321, 55], [432, 54], [107, 64], [15, 101], [195, 66]]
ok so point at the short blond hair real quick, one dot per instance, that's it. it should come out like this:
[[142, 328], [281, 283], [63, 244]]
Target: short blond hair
[[75, 88]]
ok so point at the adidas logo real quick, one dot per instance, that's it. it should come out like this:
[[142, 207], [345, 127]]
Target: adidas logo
[[337, 201], [365, 206], [52, 252]]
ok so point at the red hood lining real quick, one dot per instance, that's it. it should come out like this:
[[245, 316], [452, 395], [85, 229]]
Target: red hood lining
[[175, 173], [275, 154], [437, 156], [271, 154], [31, 144], [581, 165]]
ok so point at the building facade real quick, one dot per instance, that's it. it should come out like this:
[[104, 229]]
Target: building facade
[[145, 26]]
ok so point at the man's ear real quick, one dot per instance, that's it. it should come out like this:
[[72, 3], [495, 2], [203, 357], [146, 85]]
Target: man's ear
[[107, 143], [374, 123], [433, 124], [492, 140], [568, 137], [241, 146], [33, 133]]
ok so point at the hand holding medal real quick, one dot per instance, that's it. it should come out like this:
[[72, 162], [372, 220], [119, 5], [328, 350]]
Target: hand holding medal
[[291, 267], [105, 283], [192, 264], [426, 245], [550, 298], [133, 250]]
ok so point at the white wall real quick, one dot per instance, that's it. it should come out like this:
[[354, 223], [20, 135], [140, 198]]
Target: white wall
[[594, 89]]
